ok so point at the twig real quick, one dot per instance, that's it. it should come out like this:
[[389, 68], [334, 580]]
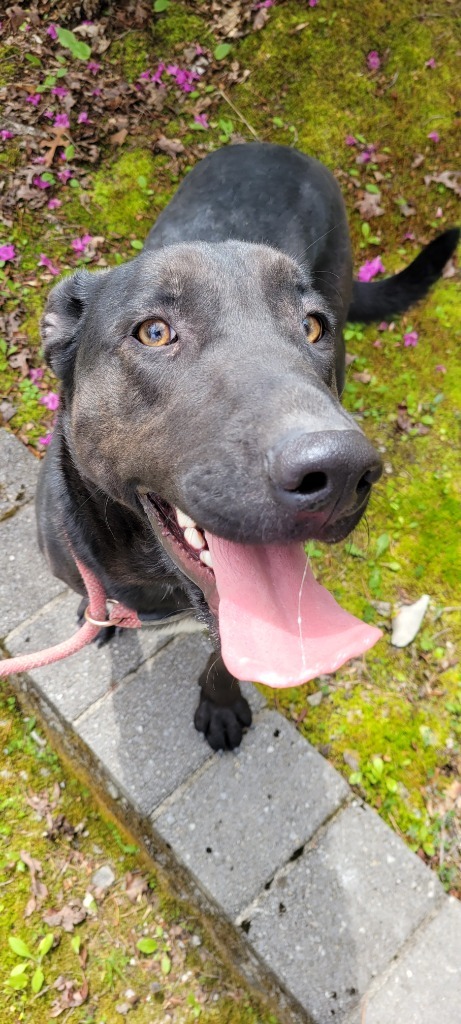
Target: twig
[[238, 112]]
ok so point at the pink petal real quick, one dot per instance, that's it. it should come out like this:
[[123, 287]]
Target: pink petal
[[370, 269], [7, 252], [373, 60], [434, 136], [410, 339]]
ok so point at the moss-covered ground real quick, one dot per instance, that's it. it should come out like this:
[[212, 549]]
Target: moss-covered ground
[[70, 940], [391, 722]]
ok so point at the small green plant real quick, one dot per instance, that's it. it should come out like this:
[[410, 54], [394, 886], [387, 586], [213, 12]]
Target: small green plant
[[367, 237], [221, 51], [227, 127], [29, 970], [78, 49]]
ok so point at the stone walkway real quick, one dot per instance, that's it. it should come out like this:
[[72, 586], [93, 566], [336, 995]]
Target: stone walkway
[[321, 907]]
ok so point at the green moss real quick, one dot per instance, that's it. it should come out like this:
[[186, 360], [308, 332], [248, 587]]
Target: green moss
[[178, 27], [120, 204], [130, 55]]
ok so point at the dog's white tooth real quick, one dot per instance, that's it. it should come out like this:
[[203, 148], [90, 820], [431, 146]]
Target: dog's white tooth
[[183, 520], [205, 557], [194, 538]]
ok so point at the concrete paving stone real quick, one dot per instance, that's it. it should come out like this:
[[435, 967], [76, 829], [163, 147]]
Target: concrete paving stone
[[26, 583], [424, 987], [18, 474], [236, 825], [143, 732], [335, 918], [75, 684]]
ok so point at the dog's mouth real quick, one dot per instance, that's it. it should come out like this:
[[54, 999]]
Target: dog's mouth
[[277, 624]]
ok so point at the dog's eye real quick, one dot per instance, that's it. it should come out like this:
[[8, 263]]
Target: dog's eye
[[314, 328], [155, 333]]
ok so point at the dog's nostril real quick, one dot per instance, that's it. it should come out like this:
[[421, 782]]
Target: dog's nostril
[[368, 479], [311, 483], [364, 483]]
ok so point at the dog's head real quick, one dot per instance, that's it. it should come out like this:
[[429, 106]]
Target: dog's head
[[201, 384]]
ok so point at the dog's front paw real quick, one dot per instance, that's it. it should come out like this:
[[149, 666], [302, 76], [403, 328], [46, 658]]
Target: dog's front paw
[[223, 726]]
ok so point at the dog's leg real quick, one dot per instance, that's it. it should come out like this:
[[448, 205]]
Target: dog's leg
[[222, 713]]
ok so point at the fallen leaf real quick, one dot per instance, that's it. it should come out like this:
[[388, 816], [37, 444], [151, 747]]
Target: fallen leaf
[[260, 19], [451, 179], [119, 138], [170, 146], [369, 206], [19, 361], [71, 914]]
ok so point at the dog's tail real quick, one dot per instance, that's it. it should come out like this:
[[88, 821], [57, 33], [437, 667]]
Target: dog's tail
[[379, 300]]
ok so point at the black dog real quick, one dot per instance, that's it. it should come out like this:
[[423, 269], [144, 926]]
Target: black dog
[[200, 438]]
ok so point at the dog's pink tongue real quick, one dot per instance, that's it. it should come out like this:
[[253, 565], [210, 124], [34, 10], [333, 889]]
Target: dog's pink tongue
[[277, 624]]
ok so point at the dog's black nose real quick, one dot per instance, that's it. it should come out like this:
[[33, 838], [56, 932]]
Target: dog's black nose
[[311, 472]]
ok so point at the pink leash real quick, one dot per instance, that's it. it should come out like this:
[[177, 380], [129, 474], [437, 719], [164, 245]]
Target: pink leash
[[96, 616]]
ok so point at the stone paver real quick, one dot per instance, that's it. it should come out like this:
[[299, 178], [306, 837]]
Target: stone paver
[[144, 732], [424, 987], [243, 819], [327, 903], [75, 684], [26, 583], [335, 918], [18, 474]]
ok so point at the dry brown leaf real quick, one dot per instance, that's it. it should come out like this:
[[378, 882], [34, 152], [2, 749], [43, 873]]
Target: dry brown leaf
[[71, 914], [169, 146], [260, 19], [451, 179], [369, 206], [119, 138]]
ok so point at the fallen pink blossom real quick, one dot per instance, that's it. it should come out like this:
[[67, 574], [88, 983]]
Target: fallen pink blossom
[[51, 401], [7, 252], [350, 140], [36, 375], [80, 244], [61, 121], [35, 99], [40, 183], [60, 91], [94, 67], [45, 261], [5, 134], [434, 136], [383, 326], [82, 117], [64, 175], [370, 269], [54, 203], [49, 114], [313, 3], [441, 368], [157, 78], [201, 119], [430, 63], [51, 31], [46, 439], [373, 60], [410, 339], [364, 157]]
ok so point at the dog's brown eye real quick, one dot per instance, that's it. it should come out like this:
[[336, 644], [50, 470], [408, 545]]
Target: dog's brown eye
[[155, 333], [313, 328]]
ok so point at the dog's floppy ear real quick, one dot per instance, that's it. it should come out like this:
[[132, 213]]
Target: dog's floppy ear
[[65, 307]]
